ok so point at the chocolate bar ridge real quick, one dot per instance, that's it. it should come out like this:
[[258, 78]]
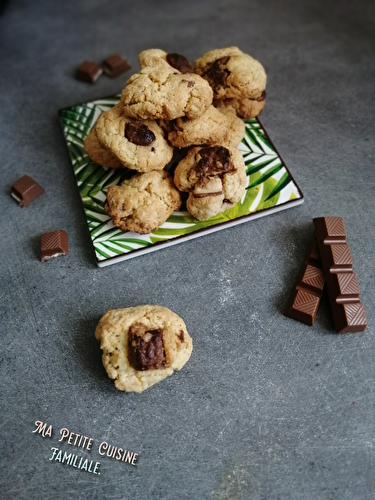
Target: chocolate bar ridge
[[337, 264], [307, 292]]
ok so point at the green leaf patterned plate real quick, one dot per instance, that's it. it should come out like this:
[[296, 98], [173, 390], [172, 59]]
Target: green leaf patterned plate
[[270, 188]]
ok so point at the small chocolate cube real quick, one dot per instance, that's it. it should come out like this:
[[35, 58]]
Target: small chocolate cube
[[115, 65], [88, 71], [25, 190], [53, 244]]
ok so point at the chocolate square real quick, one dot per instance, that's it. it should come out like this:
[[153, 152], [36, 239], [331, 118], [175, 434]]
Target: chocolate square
[[26, 190], [115, 65], [88, 71], [53, 244]]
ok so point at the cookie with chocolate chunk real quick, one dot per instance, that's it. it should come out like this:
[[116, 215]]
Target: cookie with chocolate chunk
[[160, 91], [144, 202], [214, 177], [98, 153], [139, 145], [152, 57], [211, 128], [142, 345], [232, 74]]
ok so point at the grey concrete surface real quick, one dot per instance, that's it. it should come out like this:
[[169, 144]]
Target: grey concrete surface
[[266, 408]]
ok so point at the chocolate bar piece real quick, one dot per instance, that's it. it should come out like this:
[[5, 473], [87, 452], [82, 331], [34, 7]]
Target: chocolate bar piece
[[25, 190], [115, 65], [53, 244], [337, 264], [88, 71], [305, 298]]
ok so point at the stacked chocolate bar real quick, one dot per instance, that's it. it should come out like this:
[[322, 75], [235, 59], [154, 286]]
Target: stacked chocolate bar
[[328, 262]]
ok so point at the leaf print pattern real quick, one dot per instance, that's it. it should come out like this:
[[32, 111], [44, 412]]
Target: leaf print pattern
[[269, 186]]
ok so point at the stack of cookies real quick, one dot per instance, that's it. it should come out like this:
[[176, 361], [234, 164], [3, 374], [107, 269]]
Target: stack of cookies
[[170, 106]]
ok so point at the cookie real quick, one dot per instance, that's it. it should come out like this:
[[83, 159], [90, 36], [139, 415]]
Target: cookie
[[211, 128], [244, 108], [143, 203], [139, 145], [162, 92], [142, 345], [153, 57], [214, 177], [98, 153], [232, 74]]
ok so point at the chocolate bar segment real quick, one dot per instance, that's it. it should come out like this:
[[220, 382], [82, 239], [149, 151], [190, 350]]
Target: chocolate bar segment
[[337, 264], [26, 190], [115, 65], [305, 298], [53, 244], [88, 71]]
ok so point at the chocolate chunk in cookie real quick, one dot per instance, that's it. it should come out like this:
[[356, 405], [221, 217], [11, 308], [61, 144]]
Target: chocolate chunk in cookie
[[214, 177], [214, 160], [180, 63], [138, 145], [145, 347], [217, 72], [138, 133], [142, 345], [232, 74]]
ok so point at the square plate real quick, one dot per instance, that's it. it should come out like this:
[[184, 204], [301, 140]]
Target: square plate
[[270, 188]]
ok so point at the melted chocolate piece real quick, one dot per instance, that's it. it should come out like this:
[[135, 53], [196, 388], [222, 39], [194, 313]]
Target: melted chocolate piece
[[180, 63], [215, 160], [218, 72], [139, 134], [262, 97], [145, 347]]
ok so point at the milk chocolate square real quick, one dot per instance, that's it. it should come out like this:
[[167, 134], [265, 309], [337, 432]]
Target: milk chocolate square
[[53, 244], [26, 190], [88, 71], [115, 65]]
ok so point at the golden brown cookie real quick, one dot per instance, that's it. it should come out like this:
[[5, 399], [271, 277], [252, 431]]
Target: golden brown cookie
[[143, 203], [142, 345], [211, 128], [139, 145], [98, 153], [244, 108], [232, 74], [214, 177], [162, 92]]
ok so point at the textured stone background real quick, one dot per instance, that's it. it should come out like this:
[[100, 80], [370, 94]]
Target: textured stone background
[[266, 408]]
